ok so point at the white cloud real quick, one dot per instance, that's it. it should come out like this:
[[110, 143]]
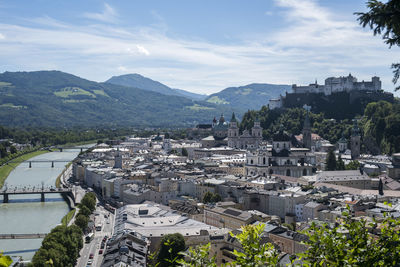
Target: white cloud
[[122, 69], [142, 50], [109, 14], [312, 46], [2, 37]]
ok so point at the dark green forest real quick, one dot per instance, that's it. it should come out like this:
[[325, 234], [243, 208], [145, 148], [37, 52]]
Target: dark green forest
[[58, 99], [380, 125]]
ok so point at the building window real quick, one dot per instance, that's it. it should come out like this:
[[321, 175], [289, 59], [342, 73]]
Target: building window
[[287, 172]]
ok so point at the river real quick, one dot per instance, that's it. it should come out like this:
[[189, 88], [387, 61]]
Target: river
[[25, 214]]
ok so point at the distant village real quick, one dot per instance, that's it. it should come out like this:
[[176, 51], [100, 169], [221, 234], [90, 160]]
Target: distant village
[[206, 188]]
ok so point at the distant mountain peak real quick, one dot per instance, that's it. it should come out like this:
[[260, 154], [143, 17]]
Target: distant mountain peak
[[142, 82]]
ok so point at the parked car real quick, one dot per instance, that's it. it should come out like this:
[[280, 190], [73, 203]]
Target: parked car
[[100, 251]]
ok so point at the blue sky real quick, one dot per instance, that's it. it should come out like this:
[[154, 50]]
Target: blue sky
[[200, 46]]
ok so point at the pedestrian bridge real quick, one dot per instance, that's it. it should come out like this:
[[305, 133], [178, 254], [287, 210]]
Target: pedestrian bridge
[[22, 236], [29, 191]]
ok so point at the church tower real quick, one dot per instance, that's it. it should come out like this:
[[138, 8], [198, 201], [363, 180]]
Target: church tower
[[256, 131], [307, 132], [233, 132], [342, 144], [118, 160], [355, 141]]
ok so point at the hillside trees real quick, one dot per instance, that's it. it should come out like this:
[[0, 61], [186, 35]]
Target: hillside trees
[[381, 122], [380, 125]]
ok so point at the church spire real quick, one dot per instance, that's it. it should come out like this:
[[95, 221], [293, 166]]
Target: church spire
[[233, 119]]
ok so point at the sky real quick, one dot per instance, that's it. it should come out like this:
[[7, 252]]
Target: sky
[[199, 46]]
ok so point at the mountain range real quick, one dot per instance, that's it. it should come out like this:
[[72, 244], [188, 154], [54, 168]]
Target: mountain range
[[58, 99], [139, 81]]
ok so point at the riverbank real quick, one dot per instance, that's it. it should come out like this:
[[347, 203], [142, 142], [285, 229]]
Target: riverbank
[[58, 180], [7, 168], [81, 143]]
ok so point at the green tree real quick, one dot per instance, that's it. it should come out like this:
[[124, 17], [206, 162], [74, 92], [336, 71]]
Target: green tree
[[5, 260], [81, 221], [255, 252], [171, 245], [207, 197], [330, 161], [13, 150], [383, 18], [350, 243], [84, 211], [3, 152], [198, 257], [89, 200], [340, 164], [216, 198], [353, 165]]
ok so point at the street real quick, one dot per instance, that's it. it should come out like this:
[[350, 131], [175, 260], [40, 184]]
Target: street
[[94, 246]]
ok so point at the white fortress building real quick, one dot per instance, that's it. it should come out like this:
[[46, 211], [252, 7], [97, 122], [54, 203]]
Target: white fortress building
[[339, 84]]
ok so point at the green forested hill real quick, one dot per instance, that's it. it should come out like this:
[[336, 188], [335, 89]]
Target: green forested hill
[[252, 96], [139, 81], [54, 98]]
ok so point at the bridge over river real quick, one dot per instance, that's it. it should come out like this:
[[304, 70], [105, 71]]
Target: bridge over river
[[22, 236], [42, 191], [38, 161]]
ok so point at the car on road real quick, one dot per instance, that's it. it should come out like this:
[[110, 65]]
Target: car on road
[[90, 262], [91, 256], [100, 251]]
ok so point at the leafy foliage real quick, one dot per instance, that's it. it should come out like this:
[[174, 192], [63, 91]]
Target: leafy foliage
[[380, 125], [171, 245], [210, 197], [353, 165], [82, 221], [89, 201], [330, 161], [5, 260], [350, 243], [340, 164], [255, 252], [198, 257], [383, 18], [60, 247]]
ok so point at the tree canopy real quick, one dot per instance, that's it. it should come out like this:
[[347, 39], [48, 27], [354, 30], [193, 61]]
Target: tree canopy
[[171, 245], [383, 19]]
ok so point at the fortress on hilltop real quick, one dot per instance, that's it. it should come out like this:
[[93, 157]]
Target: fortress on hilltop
[[343, 90]]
